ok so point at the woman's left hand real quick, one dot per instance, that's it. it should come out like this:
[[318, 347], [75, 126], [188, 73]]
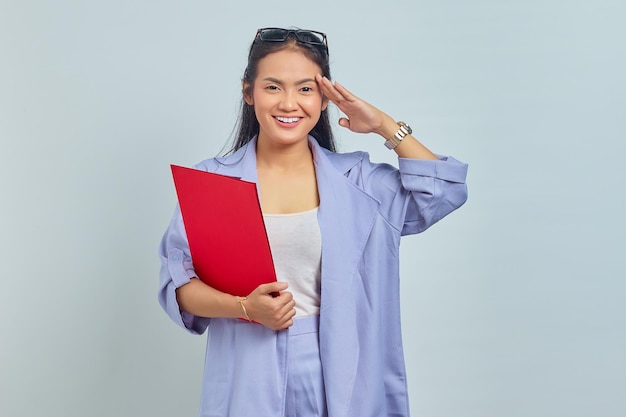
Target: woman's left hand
[[362, 117]]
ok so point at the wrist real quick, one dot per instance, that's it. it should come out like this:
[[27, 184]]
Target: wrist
[[402, 130], [387, 128], [244, 310]]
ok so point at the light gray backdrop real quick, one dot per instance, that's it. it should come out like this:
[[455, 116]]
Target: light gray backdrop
[[512, 306]]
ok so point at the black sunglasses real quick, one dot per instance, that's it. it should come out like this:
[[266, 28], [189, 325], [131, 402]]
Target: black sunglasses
[[310, 37]]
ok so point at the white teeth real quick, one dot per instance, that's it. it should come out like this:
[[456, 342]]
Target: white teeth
[[287, 119]]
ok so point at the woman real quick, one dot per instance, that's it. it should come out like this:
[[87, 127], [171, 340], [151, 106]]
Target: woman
[[330, 343]]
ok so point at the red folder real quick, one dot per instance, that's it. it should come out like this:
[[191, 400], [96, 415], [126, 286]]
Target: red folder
[[225, 230]]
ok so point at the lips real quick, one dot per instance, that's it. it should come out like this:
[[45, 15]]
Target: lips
[[288, 120]]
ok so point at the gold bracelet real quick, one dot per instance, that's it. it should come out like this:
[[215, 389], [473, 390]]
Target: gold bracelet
[[240, 300]]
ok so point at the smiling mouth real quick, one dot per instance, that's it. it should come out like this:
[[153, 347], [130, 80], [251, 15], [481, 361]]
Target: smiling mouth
[[287, 119]]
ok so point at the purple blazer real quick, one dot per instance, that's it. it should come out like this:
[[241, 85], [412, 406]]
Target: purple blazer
[[364, 210]]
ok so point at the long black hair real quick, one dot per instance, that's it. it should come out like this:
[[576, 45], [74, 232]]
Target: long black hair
[[247, 124]]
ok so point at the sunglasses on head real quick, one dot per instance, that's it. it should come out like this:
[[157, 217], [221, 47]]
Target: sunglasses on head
[[309, 37]]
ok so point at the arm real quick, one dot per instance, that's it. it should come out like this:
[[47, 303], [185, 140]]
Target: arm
[[191, 303], [416, 195], [426, 187], [261, 306]]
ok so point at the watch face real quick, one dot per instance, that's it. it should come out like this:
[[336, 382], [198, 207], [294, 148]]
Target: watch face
[[405, 128]]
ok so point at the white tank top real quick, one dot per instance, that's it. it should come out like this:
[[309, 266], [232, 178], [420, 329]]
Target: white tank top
[[296, 245]]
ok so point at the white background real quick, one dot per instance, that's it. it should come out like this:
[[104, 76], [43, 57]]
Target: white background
[[512, 306]]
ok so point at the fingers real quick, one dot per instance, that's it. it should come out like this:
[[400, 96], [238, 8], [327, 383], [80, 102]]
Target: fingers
[[274, 312], [334, 92], [280, 317], [286, 318], [272, 287]]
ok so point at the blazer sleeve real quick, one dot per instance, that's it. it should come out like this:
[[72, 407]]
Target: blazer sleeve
[[419, 193], [176, 270]]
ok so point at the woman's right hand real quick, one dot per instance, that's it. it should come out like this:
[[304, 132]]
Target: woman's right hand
[[274, 312]]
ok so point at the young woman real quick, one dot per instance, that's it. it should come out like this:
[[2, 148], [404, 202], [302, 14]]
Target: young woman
[[330, 344]]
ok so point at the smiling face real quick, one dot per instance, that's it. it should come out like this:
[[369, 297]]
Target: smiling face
[[286, 98]]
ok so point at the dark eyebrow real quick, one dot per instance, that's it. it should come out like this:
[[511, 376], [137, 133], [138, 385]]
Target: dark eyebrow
[[299, 82]]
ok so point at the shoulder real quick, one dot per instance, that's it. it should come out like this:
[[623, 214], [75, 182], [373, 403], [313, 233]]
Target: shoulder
[[361, 161], [217, 164], [210, 165], [348, 161], [357, 168]]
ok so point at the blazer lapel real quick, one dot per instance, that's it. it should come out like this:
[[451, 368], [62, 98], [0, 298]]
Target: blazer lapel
[[346, 216], [241, 164]]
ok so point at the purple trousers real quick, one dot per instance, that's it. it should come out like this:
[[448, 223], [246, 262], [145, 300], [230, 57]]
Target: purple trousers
[[241, 382]]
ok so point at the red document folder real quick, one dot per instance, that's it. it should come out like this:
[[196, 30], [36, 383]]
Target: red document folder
[[224, 225]]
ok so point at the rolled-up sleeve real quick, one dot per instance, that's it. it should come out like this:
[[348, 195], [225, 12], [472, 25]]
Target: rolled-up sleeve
[[176, 271], [436, 187], [415, 195]]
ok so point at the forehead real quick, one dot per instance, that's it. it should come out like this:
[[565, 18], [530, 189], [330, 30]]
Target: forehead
[[287, 63]]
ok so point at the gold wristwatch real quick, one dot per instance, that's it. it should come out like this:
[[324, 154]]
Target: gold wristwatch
[[395, 140]]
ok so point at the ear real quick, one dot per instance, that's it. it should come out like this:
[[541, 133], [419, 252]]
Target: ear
[[246, 90]]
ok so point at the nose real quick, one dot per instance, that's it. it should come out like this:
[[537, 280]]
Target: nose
[[288, 101]]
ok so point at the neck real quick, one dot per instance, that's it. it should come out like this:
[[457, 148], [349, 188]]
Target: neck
[[284, 157]]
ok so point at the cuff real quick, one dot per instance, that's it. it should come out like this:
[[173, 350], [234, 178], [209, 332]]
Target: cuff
[[446, 168], [180, 271]]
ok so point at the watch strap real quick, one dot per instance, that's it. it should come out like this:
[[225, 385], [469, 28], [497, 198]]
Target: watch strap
[[403, 131]]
